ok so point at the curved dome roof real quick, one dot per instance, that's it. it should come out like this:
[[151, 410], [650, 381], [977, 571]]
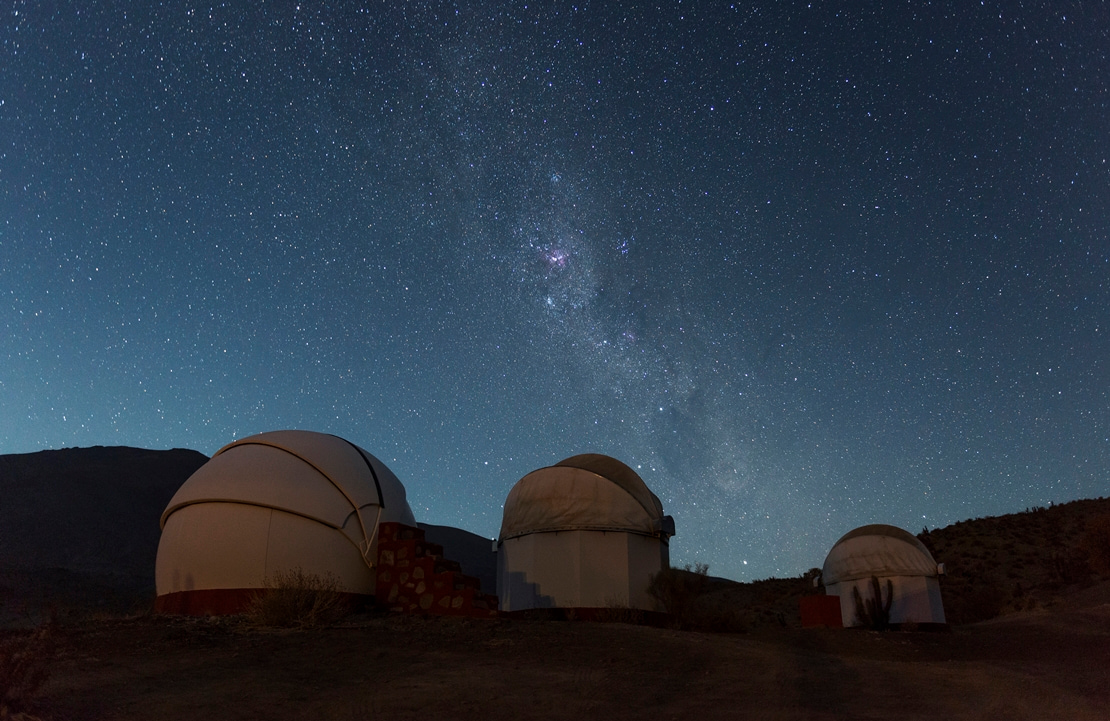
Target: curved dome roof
[[877, 550], [584, 492], [315, 475]]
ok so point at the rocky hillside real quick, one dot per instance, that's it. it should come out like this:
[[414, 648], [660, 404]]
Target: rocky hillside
[[83, 522], [1022, 561], [1039, 558]]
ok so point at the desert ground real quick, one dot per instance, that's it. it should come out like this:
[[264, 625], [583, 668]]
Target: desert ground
[[1032, 665]]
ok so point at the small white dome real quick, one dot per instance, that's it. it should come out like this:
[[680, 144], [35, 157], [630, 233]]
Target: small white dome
[[877, 550]]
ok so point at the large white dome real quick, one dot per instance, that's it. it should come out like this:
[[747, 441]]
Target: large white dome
[[275, 502]]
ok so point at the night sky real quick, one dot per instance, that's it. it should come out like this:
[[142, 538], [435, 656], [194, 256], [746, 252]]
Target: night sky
[[804, 266]]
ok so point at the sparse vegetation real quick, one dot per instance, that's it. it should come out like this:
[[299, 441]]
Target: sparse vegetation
[[696, 602], [677, 591], [874, 612], [1044, 550], [1095, 544], [26, 659], [295, 598], [1070, 565], [927, 541], [983, 602], [619, 612]]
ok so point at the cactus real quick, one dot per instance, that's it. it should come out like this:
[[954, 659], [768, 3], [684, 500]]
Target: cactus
[[874, 612]]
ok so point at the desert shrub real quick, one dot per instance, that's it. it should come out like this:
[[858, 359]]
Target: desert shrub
[[730, 619], [677, 591], [618, 612], [874, 612], [1071, 566], [1095, 543], [926, 539], [25, 663], [984, 602], [295, 598]]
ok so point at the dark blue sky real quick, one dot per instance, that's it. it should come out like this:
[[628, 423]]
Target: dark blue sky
[[803, 265]]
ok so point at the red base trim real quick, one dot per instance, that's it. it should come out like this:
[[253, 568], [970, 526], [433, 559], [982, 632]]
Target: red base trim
[[597, 615], [221, 601]]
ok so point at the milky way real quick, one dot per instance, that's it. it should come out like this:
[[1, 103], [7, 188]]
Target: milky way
[[804, 267]]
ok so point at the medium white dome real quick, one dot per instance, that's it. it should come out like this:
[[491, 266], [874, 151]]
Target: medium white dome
[[585, 492]]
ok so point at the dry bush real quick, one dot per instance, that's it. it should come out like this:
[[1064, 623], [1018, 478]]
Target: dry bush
[[717, 617], [295, 598], [677, 591], [982, 603], [25, 664], [1071, 566], [1096, 544], [619, 612]]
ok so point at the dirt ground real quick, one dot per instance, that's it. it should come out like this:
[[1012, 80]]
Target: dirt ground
[[1037, 665]]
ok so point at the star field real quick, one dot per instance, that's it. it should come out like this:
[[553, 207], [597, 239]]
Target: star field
[[804, 266]]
